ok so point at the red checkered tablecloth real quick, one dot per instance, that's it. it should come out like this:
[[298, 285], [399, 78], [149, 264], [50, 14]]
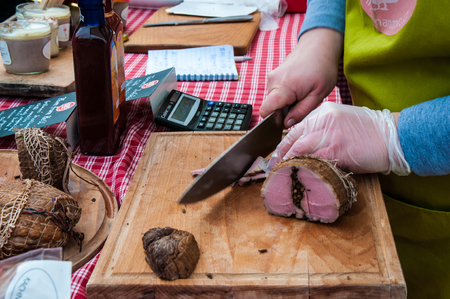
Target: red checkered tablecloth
[[268, 50]]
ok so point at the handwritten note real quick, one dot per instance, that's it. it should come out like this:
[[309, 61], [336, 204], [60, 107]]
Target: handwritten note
[[213, 63]]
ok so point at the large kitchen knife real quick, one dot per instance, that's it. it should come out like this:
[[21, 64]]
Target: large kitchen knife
[[232, 164]]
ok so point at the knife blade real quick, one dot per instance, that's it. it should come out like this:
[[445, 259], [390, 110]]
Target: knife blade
[[232, 19], [232, 164]]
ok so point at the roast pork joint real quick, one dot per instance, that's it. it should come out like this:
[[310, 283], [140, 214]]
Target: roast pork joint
[[308, 187]]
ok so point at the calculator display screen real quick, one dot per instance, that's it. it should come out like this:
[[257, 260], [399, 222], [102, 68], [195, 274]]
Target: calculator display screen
[[183, 109]]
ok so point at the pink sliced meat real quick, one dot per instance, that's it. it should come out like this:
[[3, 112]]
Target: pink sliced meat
[[277, 191], [308, 187]]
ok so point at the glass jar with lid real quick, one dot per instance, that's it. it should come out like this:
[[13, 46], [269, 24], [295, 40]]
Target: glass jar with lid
[[60, 12], [25, 46]]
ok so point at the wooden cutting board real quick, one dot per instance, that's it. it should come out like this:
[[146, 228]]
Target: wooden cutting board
[[58, 80], [240, 35], [354, 257]]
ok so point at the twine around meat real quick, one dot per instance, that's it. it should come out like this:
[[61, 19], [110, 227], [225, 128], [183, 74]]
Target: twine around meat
[[11, 212], [49, 155], [58, 215], [36, 215]]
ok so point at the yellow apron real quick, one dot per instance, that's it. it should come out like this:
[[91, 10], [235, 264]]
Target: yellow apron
[[397, 54]]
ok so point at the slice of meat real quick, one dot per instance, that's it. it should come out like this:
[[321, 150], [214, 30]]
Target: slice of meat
[[171, 253], [197, 172], [259, 166], [256, 173], [248, 180], [308, 187]]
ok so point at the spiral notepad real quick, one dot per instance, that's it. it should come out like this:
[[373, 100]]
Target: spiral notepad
[[214, 63]]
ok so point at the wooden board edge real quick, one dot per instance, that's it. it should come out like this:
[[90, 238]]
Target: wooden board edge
[[143, 49], [389, 265], [18, 89], [194, 291]]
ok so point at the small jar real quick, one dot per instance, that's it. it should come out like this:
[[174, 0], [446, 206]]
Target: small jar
[[19, 11], [60, 12], [54, 26], [121, 8], [25, 46]]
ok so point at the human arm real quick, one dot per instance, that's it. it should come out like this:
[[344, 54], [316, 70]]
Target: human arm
[[310, 71], [424, 132]]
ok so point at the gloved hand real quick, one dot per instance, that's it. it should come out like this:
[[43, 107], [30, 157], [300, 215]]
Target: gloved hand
[[306, 77], [361, 140]]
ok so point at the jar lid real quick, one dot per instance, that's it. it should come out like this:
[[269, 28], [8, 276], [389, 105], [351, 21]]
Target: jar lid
[[24, 29], [57, 11]]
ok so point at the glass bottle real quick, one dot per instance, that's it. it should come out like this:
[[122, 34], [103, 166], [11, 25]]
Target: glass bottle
[[115, 22], [96, 82]]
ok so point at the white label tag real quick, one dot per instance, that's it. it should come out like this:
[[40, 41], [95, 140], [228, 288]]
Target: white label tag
[[5, 53], [47, 50], [63, 32], [41, 279]]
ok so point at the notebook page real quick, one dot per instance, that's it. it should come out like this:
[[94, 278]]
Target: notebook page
[[195, 64]]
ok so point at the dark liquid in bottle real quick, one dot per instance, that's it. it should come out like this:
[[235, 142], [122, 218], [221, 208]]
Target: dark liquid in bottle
[[97, 93]]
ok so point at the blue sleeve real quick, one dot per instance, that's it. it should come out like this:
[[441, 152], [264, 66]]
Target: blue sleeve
[[424, 132], [324, 13]]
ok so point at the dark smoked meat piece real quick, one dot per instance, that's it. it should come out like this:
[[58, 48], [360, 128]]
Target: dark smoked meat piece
[[170, 253]]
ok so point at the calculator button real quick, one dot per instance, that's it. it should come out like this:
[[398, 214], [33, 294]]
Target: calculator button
[[197, 114], [227, 127], [229, 121], [244, 106], [219, 104], [240, 116], [238, 111], [223, 115], [211, 103], [212, 120], [217, 109], [209, 108], [236, 128], [226, 110], [238, 122], [227, 105], [221, 120], [201, 125], [237, 106], [218, 127], [232, 116], [209, 126], [204, 119], [214, 114], [207, 113]]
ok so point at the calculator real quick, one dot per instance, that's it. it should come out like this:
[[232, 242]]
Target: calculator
[[185, 112]]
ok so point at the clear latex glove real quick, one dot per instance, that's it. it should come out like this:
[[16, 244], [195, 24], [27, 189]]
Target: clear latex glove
[[306, 77], [361, 140]]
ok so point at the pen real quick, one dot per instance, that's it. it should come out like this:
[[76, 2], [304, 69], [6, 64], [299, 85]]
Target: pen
[[242, 58]]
